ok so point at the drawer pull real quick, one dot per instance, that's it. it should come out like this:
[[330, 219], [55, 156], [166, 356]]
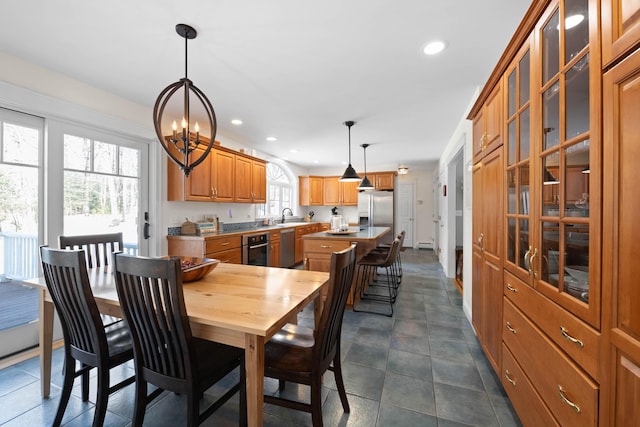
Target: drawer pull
[[224, 243], [326, 246], [565, 334], [511, 288], [510, 328], [567, 401], [507, 375]]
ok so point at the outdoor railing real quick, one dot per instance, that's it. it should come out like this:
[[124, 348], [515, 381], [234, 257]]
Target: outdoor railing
[[19, 258]]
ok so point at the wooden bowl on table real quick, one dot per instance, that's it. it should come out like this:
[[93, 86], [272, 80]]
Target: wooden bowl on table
[[194, 268]]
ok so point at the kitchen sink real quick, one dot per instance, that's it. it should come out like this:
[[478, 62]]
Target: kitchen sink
[[292, 224]]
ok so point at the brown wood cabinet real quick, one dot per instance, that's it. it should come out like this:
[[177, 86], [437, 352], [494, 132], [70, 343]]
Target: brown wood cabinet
[[487, 125], [250, 182], [620, 29], [336, 193], [383, 180], [311, 190], [487, 262], [224, 176], [620, 403], [570, 325], [274, 254], [223, 248], [301, 231]]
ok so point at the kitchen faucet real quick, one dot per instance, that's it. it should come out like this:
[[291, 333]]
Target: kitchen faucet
[[286, 209]]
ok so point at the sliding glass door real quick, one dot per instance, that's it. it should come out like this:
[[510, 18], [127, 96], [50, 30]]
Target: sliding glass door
[[21, 145]]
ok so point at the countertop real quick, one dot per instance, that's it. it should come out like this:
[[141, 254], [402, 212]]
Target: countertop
[[260, 229], [365, 233]]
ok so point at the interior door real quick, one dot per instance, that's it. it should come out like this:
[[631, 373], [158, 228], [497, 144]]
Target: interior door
[[406, 211]]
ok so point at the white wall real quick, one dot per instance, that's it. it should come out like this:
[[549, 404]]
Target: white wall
[[460, 139]]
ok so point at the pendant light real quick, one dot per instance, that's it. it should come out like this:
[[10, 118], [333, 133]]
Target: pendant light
[[349, 174], [181, 146], [365, 184]]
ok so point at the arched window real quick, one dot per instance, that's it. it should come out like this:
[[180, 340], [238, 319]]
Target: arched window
[[279, 192]]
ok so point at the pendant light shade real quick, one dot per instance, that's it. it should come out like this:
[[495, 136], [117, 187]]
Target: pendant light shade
[[181, 145], [365, 184], [350, 174]]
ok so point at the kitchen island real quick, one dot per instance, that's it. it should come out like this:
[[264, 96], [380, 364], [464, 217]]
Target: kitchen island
[[317, 247]]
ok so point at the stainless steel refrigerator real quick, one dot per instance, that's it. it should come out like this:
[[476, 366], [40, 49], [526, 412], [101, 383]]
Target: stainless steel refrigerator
[[376, 209]]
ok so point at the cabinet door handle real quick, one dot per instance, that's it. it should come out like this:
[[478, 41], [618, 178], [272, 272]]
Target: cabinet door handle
[[511, 288], [565, 333], [510, 328], [481, 242], [213, 193], [563, 397], [224, 244], [507, 375], [326, 246], [533, 255], [527, 260]]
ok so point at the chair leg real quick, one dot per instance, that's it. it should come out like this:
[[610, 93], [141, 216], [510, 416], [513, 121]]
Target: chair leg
[[337, 373], [69, 376], [140, 406], [316, 403], [102, 397], [85, 382], [193, 409]]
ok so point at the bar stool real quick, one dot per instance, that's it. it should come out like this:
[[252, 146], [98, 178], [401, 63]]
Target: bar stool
[[367, 268], [384, 250]]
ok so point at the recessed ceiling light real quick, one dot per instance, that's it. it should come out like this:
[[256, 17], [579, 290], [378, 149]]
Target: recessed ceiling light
[[434, 47], [294, 150], [271, 138], [236, 122]]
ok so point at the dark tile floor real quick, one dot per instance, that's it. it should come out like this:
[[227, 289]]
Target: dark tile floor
[[422, 367]]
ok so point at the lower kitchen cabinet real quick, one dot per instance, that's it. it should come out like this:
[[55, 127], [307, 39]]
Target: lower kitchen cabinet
[[274, 255], [223, 248], [570, 394]]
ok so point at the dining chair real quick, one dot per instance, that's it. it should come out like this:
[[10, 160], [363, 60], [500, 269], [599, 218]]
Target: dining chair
[[165, 352], [86, 339], [302, 355], [99, 247]]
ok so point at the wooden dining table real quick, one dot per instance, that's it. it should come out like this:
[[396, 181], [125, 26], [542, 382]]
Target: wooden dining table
[[238, 305]]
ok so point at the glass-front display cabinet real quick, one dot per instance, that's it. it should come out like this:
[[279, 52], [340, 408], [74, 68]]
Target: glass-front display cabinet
[[565, 255], [518, 160]]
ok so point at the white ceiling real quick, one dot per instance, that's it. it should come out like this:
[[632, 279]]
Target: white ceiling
[[293, 69]]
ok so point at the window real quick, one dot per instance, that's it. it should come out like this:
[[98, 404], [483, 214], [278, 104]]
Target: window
[[101, 185], [279, 192]]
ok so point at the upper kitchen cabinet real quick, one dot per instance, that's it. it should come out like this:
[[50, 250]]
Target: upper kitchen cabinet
[[224, 176], [340, 193], [250, 180], [311, 190], [383, 180], [487, 125], [564, 260], [620, 29]]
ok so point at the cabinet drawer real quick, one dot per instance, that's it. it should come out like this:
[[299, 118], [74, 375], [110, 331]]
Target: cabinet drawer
[[574, 336], [274, 235], [222, 243], [570, 394], [324, 246], [231, 256], [528, 404]]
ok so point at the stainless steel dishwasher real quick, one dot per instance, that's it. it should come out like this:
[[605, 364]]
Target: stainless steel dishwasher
[[287, 247]]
